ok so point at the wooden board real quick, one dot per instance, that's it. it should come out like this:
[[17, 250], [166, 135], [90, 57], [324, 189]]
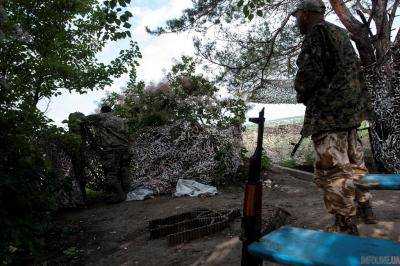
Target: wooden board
[[381, 182], [297, 246]]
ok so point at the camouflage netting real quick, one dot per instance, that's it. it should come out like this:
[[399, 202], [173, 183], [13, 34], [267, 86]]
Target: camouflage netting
[[164, 154], [383, 85], [275, 92], [67, 192]]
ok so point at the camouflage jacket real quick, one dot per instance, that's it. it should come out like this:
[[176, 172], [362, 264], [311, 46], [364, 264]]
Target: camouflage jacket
[[328, 81], [110, 131]]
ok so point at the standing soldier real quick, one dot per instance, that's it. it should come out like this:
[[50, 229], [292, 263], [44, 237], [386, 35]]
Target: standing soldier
[[328, 83], [111, 137], [76, 151]]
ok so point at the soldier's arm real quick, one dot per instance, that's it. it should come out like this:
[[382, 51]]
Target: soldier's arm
[[310, 64]]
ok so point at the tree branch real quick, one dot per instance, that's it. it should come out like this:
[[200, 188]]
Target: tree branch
[[366, 23], [392, 15], [345, 16], [363, 8], [357, 30], [382, 44], [397, 40], [271, 49], [381, 17], [190, 19]]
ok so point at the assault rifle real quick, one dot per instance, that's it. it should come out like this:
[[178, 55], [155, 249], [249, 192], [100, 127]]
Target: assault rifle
[[252, 205]]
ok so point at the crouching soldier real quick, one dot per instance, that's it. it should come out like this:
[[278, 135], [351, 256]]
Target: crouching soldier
[[111, 137], [328, 83]]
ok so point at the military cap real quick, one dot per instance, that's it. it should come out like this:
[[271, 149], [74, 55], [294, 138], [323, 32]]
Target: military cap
[[310, 5]]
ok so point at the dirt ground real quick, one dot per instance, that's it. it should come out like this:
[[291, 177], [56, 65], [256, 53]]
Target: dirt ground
[[117, 234]]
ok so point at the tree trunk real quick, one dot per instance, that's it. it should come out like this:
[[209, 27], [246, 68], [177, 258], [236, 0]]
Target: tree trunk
[[380, 64], [2, 19]]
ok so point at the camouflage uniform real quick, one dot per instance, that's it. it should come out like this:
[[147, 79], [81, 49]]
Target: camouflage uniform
[[111, 134], [340, 162], [328, 83]]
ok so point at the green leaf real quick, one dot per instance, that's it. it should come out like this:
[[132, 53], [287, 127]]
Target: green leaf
[[240, 3], [259, 13], [246, 11], [127, 25], [124, 18]]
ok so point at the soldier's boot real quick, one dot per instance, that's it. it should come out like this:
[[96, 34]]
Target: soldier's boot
[[344, 225], [350, 226], [365, 213]]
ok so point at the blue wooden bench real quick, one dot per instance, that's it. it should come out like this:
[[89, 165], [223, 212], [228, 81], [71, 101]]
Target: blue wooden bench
[[297, 246], [381, 182]]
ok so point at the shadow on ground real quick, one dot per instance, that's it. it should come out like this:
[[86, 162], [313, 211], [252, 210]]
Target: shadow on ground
[[117, 234]]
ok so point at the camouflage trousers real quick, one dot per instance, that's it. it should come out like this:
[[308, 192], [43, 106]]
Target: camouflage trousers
[[116, 170], [339, 162]]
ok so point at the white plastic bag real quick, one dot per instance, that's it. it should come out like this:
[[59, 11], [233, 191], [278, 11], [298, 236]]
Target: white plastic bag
[[139, 193], [193, 189]]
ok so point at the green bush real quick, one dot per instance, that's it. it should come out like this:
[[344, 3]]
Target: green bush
[[36, 66], [71, 252], [266, 162], [27, 185], [93, 195], [193, 100], [290, 163], [309, 157]]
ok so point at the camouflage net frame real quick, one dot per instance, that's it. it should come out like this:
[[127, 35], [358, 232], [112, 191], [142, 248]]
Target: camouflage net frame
[[161, 155]]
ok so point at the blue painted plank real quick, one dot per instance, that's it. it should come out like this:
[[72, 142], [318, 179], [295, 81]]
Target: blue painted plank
[[381, 182], [297, 246]]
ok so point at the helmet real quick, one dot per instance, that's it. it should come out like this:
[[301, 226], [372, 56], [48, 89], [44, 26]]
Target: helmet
[[310, 5]]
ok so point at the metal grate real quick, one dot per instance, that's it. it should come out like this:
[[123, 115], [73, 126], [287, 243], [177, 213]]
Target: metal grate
[[192, 225]]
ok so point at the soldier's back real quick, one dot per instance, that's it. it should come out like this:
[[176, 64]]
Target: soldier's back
[[113, 130], [338, 102]]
